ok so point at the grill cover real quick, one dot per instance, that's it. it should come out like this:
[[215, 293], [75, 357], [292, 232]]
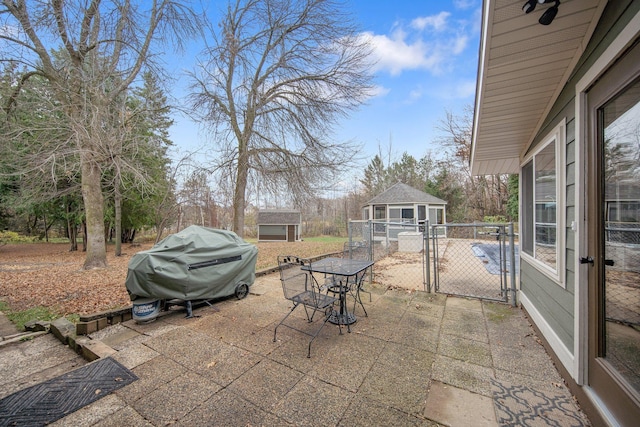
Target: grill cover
[[196, 263]]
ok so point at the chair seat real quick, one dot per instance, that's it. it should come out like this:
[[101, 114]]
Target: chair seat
[[314, 299]]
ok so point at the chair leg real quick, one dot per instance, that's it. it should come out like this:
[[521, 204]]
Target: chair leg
[[275, 331], [358, 299], [326, 319]]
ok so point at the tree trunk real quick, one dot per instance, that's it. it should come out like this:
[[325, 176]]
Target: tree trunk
[[118, 219], [71, 230], [239, 192], [94, 213]]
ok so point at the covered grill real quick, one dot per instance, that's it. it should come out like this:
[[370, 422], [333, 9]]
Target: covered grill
[[198, 263]]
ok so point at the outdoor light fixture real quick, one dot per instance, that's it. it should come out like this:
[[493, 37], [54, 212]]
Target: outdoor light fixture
[[529, 6], [548, 15]]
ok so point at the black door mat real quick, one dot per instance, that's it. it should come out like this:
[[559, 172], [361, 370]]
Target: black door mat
[[53, 399]]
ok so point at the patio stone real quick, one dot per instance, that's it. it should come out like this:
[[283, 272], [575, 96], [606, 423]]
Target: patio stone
[[313, 402], [365, 412], [124, 417], [465, 304], [175, 399], [266, 383], [151, 375], [458, 407], [226, 408], [468, 376], [476, 352], [397, 387]]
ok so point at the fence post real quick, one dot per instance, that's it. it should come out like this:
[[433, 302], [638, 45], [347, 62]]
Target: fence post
[[436, 274], [427, 268], [512, 260]]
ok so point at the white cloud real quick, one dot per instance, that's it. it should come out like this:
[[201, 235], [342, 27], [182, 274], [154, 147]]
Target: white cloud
[[464, 4], [378, 91], [395, 54], [403, 50], [459, 44], [436, 22], [415, 94]]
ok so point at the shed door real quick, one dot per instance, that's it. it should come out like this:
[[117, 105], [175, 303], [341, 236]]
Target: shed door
[[291, 233], [613, 206]]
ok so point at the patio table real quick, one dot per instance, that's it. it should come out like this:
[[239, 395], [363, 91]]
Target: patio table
[[347, 271]]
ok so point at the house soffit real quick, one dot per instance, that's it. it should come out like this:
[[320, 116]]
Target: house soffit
[[523, 67]]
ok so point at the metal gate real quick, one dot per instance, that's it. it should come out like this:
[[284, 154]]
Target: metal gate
[[473, 260]]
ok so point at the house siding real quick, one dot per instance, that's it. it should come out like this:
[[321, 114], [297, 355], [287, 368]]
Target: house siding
[[554, 302]]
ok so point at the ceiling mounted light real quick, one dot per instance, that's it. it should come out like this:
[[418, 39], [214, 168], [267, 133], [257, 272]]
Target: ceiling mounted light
[[529, 6], [549, 14], [547, 17]]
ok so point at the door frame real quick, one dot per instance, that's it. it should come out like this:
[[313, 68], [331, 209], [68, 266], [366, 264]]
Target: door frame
[[611, 73], [617, 47]]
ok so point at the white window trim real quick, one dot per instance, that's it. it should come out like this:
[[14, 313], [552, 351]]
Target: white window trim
[[558, 134]]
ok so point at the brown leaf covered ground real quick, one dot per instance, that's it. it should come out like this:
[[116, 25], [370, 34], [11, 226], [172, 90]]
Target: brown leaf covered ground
[[48, 275]]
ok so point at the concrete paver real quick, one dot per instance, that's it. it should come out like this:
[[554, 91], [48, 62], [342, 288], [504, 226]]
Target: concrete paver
[[455, 406], [418, 359]]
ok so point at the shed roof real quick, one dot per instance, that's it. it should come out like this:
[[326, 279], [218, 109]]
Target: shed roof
[[279, 217], [402, 193]]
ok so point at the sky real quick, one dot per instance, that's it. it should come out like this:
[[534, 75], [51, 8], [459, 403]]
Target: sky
[[426, 64]]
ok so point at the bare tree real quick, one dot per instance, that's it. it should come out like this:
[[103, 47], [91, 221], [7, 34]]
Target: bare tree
[[104, 46], [278, 75], [483, 195]]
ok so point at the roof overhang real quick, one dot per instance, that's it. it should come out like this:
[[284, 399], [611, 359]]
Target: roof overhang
[[522, 69]]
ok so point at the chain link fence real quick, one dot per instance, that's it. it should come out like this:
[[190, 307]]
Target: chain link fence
[[622, 286], [474, 260], [470, 260], [398, 249]]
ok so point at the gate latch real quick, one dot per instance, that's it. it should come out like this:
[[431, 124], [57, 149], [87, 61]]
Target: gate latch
[[587, 260]]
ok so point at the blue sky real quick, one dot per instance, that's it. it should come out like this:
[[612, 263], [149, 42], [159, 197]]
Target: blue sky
[[427, 56]]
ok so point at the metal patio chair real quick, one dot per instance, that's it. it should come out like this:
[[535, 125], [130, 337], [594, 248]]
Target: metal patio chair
[[301, 288]]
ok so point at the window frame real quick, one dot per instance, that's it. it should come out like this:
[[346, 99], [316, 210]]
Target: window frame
[[528, 188]]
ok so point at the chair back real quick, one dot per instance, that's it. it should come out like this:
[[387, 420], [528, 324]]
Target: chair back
[[295, 280]]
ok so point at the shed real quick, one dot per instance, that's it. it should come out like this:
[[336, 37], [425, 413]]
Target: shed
[[279, 225]]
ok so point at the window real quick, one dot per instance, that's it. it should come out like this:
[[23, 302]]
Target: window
[[436, 216], [541, 204], [401, 215]]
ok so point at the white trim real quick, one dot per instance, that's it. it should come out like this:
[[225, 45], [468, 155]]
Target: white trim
[[558, 136], [487, 27], [558, 347], [581, 312]]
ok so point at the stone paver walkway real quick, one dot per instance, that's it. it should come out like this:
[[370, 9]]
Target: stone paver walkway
[[418, 359]]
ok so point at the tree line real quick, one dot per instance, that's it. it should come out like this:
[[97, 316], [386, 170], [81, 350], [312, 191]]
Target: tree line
[[85, 118], [272, 80]]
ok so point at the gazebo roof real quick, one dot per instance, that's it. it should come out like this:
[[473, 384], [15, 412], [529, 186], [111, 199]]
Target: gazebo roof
[[401, 193]]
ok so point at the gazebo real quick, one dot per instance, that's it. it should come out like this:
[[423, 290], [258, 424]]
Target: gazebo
[[403, 204]]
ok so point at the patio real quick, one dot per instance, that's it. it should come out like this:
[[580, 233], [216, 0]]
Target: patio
[[418, 359]]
